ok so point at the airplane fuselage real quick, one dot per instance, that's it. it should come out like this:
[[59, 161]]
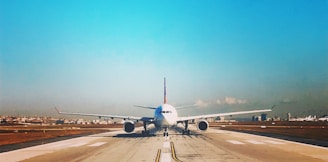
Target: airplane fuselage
[[165, 116]]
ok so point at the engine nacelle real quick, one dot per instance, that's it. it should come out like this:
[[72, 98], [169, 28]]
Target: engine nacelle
[[128, 126], [202, 125]]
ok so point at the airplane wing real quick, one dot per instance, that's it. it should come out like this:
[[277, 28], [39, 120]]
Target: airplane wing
[[146, 107], [180, 119], [147, 119]]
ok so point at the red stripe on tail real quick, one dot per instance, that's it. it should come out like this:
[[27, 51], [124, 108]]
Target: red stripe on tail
[[165, 99]]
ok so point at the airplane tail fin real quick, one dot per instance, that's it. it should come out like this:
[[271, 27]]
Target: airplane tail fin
[[165, 99], [58, 111]]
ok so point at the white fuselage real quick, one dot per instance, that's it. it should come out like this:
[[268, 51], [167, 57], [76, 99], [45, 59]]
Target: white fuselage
[[165, 116]]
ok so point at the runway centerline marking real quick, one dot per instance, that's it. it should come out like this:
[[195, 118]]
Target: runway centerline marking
[[166, 144], [255, 142], [235, 142], [273, 142], [97, 144], [165, 157]]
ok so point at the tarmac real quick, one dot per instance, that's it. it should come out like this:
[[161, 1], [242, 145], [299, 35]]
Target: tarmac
[[213, 145]]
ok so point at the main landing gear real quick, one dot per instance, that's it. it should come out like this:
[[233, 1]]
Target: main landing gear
[[145, 132], [166, 134], [186, 130]]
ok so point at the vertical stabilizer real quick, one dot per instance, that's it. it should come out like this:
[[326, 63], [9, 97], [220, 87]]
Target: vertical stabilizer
[[165, 99]]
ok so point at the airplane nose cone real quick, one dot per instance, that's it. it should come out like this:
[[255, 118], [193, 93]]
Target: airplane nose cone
[[168, 121]]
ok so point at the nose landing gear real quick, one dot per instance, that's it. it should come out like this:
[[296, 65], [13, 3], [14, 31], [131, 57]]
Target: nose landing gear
[[166, 134]]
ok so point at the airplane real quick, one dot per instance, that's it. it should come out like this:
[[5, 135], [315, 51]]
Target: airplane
[[324, 118], [165, 116], [308, 118]]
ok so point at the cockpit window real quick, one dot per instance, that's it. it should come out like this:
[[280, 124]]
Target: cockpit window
[[165, 112]]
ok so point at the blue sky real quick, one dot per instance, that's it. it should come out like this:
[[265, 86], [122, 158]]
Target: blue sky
[[105, 56]]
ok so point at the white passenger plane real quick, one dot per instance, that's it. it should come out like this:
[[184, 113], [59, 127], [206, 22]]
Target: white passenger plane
[[165, 117]]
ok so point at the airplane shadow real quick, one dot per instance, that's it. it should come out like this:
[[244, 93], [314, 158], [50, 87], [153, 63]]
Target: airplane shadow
[[192, 133], [133, 135], [137, 135], [154, 133]]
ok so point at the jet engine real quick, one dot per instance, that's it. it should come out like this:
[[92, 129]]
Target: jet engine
[[128, 126], [202, 125]]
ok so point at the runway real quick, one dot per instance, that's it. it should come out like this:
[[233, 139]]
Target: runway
[[211, 146]]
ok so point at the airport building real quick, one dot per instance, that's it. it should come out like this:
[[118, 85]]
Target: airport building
[[263, 117]]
